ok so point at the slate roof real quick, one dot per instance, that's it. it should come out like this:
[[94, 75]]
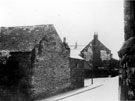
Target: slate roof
[[99, 44], [75, 52], [24, 38]]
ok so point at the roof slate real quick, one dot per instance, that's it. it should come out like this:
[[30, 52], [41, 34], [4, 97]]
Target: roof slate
[[23, 38]]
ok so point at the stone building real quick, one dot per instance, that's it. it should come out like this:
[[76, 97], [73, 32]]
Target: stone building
[[127, 54], [34, 63], [77, 73], [98, 58], [77, 66]]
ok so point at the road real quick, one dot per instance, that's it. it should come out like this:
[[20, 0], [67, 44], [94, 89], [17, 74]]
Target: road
[[103, 89]]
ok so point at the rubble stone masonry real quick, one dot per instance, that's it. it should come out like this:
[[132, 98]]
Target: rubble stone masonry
[[40, 57], [37, 64]]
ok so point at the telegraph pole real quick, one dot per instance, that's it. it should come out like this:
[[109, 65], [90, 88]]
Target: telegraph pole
[[88, 58], [93, 60], [92, 76]]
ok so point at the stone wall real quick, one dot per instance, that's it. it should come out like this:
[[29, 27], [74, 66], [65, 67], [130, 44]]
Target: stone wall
[[127, 54], [77, 73], [129, 19], [43, 61], [51, 72]]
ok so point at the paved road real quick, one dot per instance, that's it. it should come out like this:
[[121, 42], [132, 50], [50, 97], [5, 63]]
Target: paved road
[[107, 92], [104, 89]]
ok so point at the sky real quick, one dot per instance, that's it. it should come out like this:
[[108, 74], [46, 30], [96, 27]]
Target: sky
[[77, 20]]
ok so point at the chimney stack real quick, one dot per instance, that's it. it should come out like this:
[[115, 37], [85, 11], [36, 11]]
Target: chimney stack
[[95, 36], [76, 45]]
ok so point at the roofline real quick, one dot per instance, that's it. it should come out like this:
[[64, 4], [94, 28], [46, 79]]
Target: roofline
[[27, 25]]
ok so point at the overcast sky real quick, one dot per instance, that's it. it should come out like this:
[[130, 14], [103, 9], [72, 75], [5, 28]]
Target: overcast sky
[[77, 20]]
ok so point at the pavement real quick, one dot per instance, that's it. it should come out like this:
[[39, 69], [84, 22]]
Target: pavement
[[102, 89]]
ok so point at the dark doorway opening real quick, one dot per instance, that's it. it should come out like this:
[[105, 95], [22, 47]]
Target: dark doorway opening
[[10, 74], [14, 77]]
